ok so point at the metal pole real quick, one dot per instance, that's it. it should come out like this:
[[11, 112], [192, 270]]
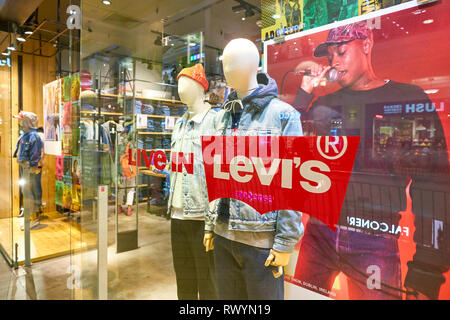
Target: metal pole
[[102, 245], [27, 213]]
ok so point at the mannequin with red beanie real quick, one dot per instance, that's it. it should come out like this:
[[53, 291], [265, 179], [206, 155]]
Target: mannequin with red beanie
[[188, 200]]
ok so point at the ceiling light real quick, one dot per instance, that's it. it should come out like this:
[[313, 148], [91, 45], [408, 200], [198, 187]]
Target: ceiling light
[[106, 2], [239, 9], [428, 21], [28, 32], [6, 53], [421, 127], [11, 48], [21, 38], [431, 91]]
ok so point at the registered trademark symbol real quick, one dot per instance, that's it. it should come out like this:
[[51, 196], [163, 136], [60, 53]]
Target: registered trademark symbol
[[331, 145]]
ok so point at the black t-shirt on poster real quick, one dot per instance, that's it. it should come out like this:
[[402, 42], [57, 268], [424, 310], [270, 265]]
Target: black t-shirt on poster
[[401, 139]]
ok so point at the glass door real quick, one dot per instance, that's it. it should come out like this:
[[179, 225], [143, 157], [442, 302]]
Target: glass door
[[6, 236]]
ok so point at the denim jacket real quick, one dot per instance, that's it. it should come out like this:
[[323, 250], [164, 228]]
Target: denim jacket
[[186, 138], [263, 114], [29, 146]]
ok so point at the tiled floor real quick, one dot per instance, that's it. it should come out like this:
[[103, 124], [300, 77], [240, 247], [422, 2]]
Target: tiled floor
[[144, 273], [53, 237]]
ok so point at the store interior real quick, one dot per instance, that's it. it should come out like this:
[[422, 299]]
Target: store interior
[[131, 53], [103, 87]]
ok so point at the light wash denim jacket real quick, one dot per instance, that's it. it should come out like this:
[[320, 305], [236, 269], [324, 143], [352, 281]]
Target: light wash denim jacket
[[194, 191], [263, 114]]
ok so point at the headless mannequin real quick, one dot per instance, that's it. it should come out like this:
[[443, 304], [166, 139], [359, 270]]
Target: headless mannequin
[[194, 268], [240, 66], [191, 94]]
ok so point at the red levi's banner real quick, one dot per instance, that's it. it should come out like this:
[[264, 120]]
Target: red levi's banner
[[307, 174]]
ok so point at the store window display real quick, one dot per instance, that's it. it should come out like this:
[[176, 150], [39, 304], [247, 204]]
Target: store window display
[[251, 249], [188, 200], [386, 162]]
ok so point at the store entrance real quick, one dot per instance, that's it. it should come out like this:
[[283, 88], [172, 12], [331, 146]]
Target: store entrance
[[39, 214]]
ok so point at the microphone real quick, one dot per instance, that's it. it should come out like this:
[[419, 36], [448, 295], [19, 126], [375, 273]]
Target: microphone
[[332, 74]]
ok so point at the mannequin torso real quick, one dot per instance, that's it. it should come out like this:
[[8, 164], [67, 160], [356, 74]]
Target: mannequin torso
[[192, 94], [240, 65]]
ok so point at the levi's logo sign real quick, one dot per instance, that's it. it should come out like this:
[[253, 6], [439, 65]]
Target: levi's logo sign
[[147, 157], [180, 160], [269, 173]]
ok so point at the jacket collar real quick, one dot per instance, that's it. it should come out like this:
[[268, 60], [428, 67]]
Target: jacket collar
[[198, 118], [259, 98]]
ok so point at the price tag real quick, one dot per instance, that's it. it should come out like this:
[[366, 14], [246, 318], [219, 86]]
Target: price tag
[[169, 122], [141, 121]]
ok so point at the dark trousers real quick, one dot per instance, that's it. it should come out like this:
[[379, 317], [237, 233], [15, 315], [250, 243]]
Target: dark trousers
[[241, 274], [194, 268], [325, 253], [37, 189]]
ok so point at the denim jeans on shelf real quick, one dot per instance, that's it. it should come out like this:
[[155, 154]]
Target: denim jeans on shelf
[[151, 124], [241, 274], [147, 109], [325, 253], [165, 143], [162, 110]]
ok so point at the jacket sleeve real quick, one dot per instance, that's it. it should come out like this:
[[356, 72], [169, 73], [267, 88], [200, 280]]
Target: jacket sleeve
[[302, 101], [430, 194], [35, 150], [289, 228], [211, 216]]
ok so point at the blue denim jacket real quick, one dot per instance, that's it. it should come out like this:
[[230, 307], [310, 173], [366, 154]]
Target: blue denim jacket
[[263, 114], [186, 138], [29, 146]]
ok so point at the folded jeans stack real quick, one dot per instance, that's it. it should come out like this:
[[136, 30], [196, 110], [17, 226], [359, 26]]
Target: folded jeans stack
[[147, 109], [151, 124], [162, 110]]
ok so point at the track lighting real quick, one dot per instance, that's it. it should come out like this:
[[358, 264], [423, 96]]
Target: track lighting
[[20, 37]]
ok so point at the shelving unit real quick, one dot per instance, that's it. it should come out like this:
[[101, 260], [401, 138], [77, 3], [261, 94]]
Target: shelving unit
[[157, 136], [118, 97]]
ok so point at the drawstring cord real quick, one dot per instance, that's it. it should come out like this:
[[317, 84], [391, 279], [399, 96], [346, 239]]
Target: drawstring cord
[[231, 105]]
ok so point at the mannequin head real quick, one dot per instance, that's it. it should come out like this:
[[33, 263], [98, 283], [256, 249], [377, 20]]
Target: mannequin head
[[240, 65], [189, 90], [27, 120]]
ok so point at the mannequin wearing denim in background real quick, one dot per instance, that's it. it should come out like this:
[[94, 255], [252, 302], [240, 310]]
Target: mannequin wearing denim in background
[[251, 249], [37, 180], [29, 151], [188, 200]]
